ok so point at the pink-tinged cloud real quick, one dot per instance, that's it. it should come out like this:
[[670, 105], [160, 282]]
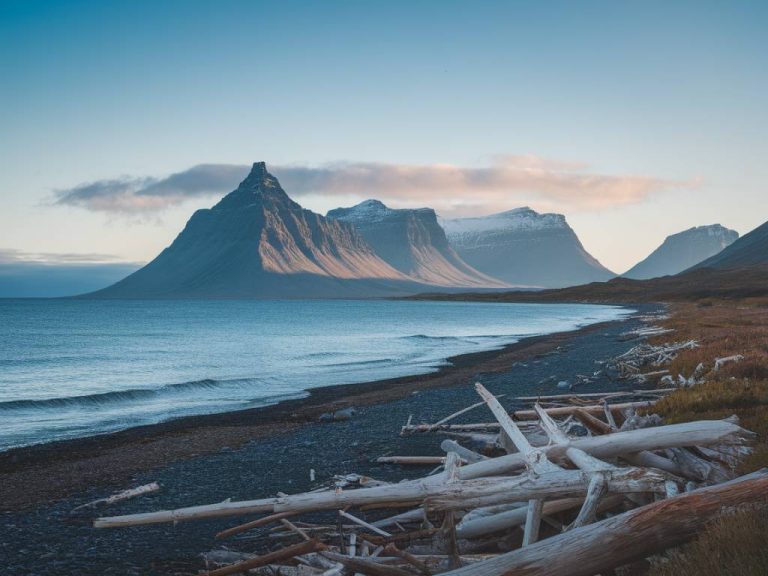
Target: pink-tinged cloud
[[507, 182]]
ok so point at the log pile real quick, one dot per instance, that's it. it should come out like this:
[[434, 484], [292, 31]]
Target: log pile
[[635, 361], [574, 485]]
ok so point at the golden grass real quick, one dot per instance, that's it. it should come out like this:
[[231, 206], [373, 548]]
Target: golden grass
[[735, 544]]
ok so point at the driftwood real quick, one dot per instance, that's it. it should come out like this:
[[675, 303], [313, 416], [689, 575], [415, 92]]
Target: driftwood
[[701, 433], [595, 410], [719, 362], [273, 557], [478, 502], [619, 540], [120, 496]]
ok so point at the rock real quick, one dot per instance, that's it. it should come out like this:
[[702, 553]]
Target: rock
[[338, 416], [344, 414]]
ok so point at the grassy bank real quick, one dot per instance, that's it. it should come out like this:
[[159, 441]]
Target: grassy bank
[[735, 544]]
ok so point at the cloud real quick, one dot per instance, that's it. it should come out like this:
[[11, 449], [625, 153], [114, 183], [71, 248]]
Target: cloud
[[145, 194], [10, 256], [507, 182]]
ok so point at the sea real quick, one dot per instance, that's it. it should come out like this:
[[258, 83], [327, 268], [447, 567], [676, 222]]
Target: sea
[[75, 368]]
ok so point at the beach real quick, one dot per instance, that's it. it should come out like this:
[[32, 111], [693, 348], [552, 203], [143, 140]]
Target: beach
[[255, 453]]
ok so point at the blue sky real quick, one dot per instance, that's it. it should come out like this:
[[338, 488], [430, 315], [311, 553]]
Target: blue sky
[[664, 99]]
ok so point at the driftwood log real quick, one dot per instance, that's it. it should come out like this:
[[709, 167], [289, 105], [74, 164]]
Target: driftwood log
[[630, 536]]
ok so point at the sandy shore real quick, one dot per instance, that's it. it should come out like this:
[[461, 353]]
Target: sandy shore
[[252, 453]]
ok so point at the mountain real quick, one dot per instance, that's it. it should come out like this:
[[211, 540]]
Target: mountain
[[523, 247], [258, 243], [412, 242], [21, 279], [749, 250], [680, 251]]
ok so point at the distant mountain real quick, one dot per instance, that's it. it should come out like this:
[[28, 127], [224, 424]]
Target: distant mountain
[[523, 247], [412, 242], [52, 280], [749, 250], [258, 243], [682, 250]]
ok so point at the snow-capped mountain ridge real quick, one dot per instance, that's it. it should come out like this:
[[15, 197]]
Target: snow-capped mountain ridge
[[412, 242], [524, 247], [518, 219], [372, 210]]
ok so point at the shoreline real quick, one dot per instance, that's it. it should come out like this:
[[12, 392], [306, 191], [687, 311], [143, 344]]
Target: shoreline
[[47, 472]]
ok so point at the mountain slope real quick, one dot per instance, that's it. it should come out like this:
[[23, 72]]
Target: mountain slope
[[258, 243], [412, 242], [523, 247], [680, 251], [749, 250]]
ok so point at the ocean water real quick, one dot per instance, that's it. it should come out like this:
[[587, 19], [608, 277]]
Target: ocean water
[[72, 368]]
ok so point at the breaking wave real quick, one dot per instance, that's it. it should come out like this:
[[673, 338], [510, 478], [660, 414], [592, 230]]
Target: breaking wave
[[121, 396]]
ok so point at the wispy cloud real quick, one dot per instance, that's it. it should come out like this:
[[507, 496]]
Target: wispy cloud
[[9, 256], [132, 194], [506, 182]]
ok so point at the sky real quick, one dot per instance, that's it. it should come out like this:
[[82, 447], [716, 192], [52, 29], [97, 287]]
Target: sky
[[635, 119]]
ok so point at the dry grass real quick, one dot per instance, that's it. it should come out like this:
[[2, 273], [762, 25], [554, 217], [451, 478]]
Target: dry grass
[[735, 544]]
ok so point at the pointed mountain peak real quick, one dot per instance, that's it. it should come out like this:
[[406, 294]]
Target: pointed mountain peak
[[258, 177], [257, 187]]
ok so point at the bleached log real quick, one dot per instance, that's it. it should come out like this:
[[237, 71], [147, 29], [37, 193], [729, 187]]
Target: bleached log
[[699, 433], [692, 466], [457, 414], [650, 460], [469, 494], [535, 459], [475, 527], [476, 426], [417, 515], [595, 491], [621, 539], [642, 459], [411, 460], [719, 362], [595, 410], [295, 529], [532, 521], [655, 392], [465, 453], [123, 495], [364, 524], [598, 485], [609, 416]]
